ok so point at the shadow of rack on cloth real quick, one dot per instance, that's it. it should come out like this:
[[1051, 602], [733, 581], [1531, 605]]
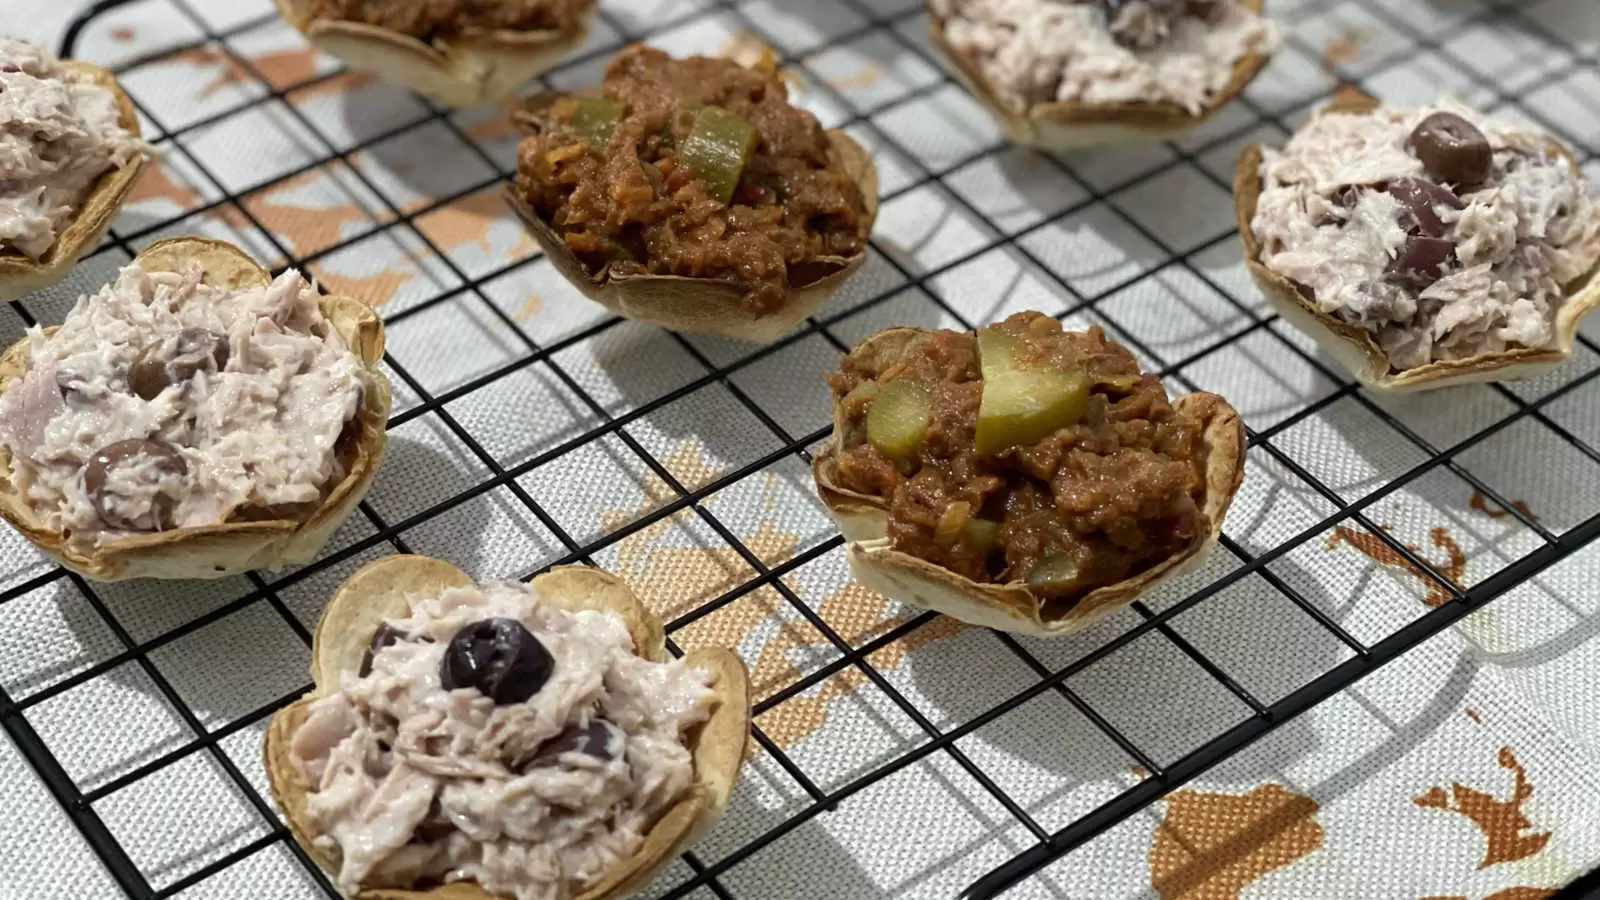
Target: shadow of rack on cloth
[[1264, 719]]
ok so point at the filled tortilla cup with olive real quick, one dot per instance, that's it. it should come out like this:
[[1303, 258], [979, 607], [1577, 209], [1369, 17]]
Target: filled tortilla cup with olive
[[1425, 247], [1064, 76], [196, 418], [457, 58], [513, 739], [1022, 477], [691, 194], [76, 172]]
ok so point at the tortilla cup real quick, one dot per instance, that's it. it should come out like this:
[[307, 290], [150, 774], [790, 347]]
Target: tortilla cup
[[20, 275], [1353, 346], [1069, 125], [381, 590], [472, 68], [1014, 607], [218, 551], [709, 305]]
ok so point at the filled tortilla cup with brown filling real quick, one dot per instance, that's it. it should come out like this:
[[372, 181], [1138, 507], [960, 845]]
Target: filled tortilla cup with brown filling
[[1401, 366], [691, 194], [461, 68], [1072, 124], [1026, 478], [351, 631], [20, 275], [249, 536]]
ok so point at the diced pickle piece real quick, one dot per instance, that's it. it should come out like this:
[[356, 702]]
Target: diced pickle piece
[[995, 352], [983, 534], [717, 149], [1019, 408], [1057, 571], [898, 419], [597, 119]]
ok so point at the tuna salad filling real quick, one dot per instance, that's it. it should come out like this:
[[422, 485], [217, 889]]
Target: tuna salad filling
[[1022, 453], [59, 132], [1101, 52], [163, 403], [1443, 232], [698, 168], [493, 738], [428, 19]]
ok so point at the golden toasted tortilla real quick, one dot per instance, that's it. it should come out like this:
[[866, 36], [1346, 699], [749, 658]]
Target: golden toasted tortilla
[[382, 590], [464, 71], [20, 275], [1075, 124], [217, 551], [863, 519], [707, 305], [1353, 346]]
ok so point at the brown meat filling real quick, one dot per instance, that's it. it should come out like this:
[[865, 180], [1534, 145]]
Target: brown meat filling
[[428, 19], [636, 205], [1088, 505]]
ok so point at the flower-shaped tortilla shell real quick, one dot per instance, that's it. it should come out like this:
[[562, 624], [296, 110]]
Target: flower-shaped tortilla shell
[[466, 70], [1354, 346], [707, 305], [382, 590], [1068, 125], [217, 551], [20, 275], [1014, 607]]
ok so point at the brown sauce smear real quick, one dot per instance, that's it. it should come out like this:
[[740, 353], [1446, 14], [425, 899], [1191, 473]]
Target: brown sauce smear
[[1381, 553], [1481, 503]]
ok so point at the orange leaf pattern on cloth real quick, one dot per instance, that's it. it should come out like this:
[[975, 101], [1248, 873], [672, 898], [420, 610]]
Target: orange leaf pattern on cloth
[[1501, 821], [1210, 846], [229, 71], [500, 125], [156, 183], [376, 289], [467, 221], [676, 580], [306, 229]]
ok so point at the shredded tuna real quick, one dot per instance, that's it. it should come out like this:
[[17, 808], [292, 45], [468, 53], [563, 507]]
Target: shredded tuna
[[416, 784], [59, 132], [1044, 51], [257, 436], [1521, 241]]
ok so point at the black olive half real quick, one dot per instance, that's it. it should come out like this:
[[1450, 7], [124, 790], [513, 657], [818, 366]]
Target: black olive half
[[156, 369], [1420, 262], [498, 657], [385, 635], [1421, 199], [1452, 149], [600, 739], [164, 459]]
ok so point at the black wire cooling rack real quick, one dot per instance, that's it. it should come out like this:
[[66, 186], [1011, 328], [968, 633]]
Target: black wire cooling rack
[[1363, 657]]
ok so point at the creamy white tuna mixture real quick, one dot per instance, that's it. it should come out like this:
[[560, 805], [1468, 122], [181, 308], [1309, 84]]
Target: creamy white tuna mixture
[[535, 799], [1163, 51], [59, 133], [138, 362], [1330, 220]]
